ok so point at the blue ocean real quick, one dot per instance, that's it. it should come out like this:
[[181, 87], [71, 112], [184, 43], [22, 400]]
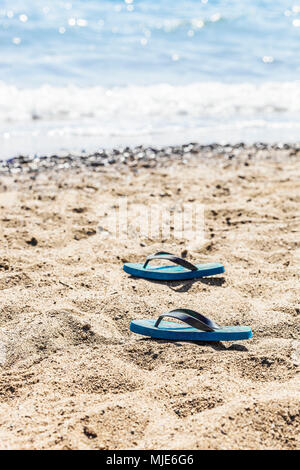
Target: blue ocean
[[77, 76]]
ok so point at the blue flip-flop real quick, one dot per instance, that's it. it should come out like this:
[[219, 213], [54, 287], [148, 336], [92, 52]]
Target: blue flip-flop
[[200, 328], [184, 270]]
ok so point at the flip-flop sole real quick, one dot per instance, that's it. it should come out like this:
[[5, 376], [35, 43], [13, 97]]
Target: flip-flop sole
[[178, 332], [173, 273]]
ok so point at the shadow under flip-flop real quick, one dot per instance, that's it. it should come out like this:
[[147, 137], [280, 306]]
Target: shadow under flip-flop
[[185, 285], [215, 345]]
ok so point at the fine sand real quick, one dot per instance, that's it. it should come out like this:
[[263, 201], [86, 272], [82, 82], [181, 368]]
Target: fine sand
[[72, 375]]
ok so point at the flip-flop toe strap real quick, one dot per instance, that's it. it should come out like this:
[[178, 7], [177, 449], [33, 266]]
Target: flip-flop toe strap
[[192, 318], [170, 257]]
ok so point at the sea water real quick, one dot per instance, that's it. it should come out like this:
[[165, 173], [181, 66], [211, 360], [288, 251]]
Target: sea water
[[104, 73]]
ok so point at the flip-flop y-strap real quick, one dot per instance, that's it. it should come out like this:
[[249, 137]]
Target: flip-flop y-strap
[[170, 257], [183, 270], [197, 328], [192, 318]]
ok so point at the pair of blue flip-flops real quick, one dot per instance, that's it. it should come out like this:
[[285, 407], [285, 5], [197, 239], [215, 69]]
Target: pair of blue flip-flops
[[200, 328]]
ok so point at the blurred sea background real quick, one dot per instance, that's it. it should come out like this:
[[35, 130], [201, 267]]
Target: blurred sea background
[[82, 75]]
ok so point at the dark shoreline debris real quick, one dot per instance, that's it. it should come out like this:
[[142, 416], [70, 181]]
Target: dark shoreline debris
[[138, 157]]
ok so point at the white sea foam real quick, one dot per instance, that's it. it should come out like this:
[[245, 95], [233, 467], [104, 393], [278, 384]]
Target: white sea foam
[[171, 103], [52, 118]]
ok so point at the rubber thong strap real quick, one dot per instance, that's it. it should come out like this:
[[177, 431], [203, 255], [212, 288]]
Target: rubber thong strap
[[171, 257], [192, 318]]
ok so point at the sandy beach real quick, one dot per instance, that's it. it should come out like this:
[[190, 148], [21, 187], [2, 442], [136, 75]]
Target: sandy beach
[[72, 375]]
